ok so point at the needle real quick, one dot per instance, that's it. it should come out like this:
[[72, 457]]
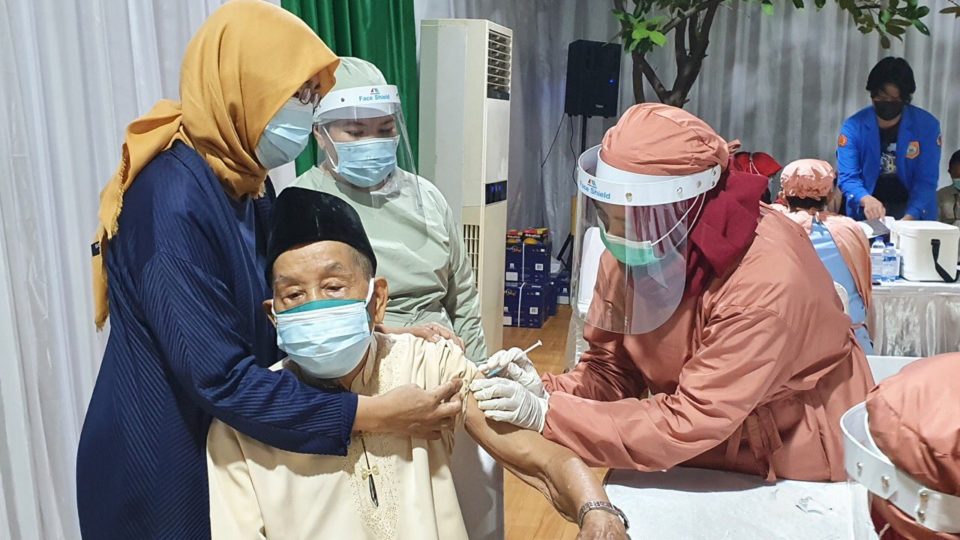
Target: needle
[[525, 352]]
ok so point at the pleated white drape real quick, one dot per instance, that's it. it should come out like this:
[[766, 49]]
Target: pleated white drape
[[74, 75], [784, 83]]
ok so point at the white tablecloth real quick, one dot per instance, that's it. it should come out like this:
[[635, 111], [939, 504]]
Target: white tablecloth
[[698, 504], [915, 318]]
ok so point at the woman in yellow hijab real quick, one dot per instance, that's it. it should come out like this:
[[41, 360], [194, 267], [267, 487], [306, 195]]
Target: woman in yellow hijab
[[179, 269]]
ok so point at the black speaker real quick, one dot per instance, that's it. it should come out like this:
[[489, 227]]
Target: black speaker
[[593, 78]]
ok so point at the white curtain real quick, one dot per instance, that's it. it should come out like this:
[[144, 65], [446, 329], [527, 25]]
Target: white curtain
[[781, 84], [542, 29], [74, 75], [784, 83]]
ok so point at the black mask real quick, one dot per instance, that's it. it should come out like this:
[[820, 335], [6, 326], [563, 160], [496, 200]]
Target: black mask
[[888, 110]]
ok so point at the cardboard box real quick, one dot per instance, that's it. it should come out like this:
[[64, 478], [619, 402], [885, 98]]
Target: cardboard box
[[513, 262], [551, 300], [539, 235], [524, 305], [561, 286], [527, 263], [535, 259]]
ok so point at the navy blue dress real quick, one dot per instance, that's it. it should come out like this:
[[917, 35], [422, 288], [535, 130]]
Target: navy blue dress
[[188, 342]]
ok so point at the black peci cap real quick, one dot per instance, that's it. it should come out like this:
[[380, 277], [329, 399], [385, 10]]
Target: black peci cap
[[303, 216]]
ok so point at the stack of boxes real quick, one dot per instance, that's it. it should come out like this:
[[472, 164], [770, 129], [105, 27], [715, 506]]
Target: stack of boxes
[[529, 297], [560, 282]]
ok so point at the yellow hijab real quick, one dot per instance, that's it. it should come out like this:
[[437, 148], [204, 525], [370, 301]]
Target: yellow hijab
[[240, 68]]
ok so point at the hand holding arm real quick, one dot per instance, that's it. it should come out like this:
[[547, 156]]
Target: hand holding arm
[[432, 332], [550, 468], [411, 410]]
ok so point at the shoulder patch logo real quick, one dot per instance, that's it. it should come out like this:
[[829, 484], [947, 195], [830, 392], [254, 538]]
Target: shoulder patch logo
[[913, 150]]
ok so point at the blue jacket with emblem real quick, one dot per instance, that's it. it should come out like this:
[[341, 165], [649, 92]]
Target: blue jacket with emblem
[[918, 160]]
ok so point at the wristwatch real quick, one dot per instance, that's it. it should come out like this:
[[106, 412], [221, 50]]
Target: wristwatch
[[604, 506]]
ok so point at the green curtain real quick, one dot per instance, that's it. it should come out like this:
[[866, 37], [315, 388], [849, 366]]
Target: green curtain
[[379, 31]]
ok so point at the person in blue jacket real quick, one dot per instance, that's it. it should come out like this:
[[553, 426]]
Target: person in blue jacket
[[888, 154], [179, 268]]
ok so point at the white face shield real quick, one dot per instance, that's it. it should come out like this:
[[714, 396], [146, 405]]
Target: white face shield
[[867, 465], [363, 144], [362, 136], [635, 283]]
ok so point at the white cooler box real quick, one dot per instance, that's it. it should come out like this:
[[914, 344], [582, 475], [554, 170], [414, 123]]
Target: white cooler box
[[917, 241]]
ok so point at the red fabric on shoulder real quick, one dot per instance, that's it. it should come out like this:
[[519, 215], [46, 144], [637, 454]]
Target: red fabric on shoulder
[[725, 228]]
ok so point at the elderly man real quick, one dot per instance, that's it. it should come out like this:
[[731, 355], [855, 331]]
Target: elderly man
[[325, 304], [808, 185]]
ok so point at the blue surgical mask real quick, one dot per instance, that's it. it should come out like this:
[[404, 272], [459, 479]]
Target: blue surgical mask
[[286, 135], [326, 338], [366, 163]]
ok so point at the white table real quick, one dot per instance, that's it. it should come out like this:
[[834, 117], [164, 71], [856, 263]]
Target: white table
[[699, 504], [915, 318]]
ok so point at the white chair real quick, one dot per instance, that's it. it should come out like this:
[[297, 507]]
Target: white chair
[[589, 268], [844, 296], [886, 366], [479, 482]]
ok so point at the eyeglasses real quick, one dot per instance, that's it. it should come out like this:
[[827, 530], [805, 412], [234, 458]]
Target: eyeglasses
[[308, 95]]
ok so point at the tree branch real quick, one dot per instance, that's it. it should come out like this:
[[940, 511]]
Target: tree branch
[[703, 32], [687, 76], [620, 5], [652, 77], [684, 15], [639, 96], [693, 25], [679, 43]]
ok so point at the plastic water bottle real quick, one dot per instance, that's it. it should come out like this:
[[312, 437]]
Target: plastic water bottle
[[876, 261], [891, 268]]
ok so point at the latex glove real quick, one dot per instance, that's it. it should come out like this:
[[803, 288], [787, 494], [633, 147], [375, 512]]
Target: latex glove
[[504, 400], [514, 365]]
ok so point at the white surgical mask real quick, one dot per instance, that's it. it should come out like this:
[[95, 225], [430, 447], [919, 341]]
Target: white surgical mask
[[326, 338], [286, 135], [368, 162]]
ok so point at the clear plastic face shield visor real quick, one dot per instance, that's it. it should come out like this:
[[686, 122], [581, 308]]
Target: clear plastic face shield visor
[[362, 143], [868, 466], [362, 137], [630, 243]]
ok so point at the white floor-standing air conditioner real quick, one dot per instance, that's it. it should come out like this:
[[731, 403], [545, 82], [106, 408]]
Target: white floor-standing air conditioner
[[465, 142], [465, 67]]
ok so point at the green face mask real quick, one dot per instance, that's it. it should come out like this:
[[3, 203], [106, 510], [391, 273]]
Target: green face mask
[[956, 183], [319, 304], [627, 252]]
